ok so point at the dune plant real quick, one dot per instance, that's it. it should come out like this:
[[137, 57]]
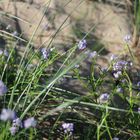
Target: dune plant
[[38, 101]]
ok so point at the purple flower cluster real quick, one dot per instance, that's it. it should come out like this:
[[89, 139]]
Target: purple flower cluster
[[45, 53], [3, 88], [68, 127], [77, 66], [30, 122], [127, 38], [119, 66], [8, 114], [119, 90], [138, 85], [113, 57], [82, 44], [117, 74], [115, 138], [1, 52], [103, 98], [16, 125], [93, 54], [15, 33], [4, 52], [139, 110]]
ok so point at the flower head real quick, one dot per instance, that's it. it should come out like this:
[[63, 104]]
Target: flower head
[[68, 127], [45, 53], [139, 110], [77, 66], [13, 130], [117, 74], [113, 57], [104, 98], [6, 53], [82, 44], [15, 33], [119, 90], [115, 138], [127, 38], [138, 84], [7, 114], [45, 26], [92, 54], [17, 122], [120, 65], [124, 81], [30, 122], [3, 88], [1, 52]]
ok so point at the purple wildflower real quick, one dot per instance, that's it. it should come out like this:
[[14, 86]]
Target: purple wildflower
[[77, 66], [138, 84], [117, 74], [82, 44], [92, 54], [104, 98], [127, 38], [68, 127], [119, 90], [131, 63], [7, 114], [15, 33], [3, 88], [113, 57], [45, 27], [139, 110], [1, 52], [120, 65], [14, 130], [6, 53], [17, 122], [124, 81], [45, 53], [30, 122], [115, 138]]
